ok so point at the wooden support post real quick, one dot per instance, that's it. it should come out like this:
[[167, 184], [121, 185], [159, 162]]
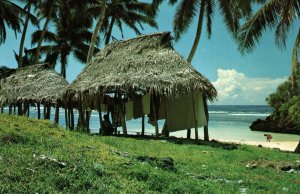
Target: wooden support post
[[188, 134], [122, 112], [143, 125], [100, 117], [45, 111], [87, 115], [56, 118], [20, 111], [72, 119], [48, 111], [206, 135], [80, 123], [154, 108], [195, 119], [24, 105], [28, 109], [9, 109], [66, 118], [39, 110]]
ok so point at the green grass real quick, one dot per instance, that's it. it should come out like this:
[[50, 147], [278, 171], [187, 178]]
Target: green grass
[[33, 153]]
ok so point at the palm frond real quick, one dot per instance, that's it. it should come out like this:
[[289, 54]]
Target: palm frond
[[185, 13]]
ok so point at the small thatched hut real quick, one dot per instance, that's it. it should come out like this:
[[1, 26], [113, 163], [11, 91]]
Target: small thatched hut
[[145, 69], [37, 84]]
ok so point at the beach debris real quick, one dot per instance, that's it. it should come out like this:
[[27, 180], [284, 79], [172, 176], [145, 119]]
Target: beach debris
[[285, 189], [99, 168], [50, 160], [243, 190], [282, 166], [166, 163]]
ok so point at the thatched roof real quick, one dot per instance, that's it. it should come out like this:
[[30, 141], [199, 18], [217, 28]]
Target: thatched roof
[[32, 83], [143, 64], [5, 72]]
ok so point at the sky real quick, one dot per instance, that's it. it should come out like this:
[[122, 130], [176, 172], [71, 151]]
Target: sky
[[240, 79]]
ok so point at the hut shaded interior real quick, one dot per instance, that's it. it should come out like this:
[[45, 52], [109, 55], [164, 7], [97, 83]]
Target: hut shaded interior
[[144, 76], [37, 84]]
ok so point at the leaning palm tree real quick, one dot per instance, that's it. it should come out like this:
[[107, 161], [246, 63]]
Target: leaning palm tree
[[70, 35], [10, 15], [46, 10], [231, 10], [274, 14], [131, 13], [29, 17]]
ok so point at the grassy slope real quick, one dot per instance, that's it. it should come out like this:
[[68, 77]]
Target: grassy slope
[[92, 164]]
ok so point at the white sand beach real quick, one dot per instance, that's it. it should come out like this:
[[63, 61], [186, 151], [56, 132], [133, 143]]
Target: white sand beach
[[282, 145]]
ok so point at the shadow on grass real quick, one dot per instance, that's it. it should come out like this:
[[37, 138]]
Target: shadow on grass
[[184, 141]]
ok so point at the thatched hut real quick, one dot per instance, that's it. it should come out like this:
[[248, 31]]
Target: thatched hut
[[37, 84], [146, 67]]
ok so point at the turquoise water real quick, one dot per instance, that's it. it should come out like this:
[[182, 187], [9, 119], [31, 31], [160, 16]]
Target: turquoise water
[[226, 122]]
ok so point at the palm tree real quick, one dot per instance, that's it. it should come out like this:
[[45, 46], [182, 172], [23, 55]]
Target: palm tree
[[274, 14], [71, 35], [232, 11], [28, 17], [10, 15], [120, 12], [46, 10]]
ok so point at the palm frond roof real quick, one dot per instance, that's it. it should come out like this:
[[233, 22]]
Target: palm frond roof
[[144, 64], [33, 83]]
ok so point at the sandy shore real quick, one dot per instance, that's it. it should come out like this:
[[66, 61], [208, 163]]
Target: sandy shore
[[285, 145]]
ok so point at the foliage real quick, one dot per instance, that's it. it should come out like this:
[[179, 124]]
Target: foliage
[[39, 157]]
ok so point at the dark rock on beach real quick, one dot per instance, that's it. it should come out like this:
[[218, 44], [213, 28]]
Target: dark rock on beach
[[277, 126]]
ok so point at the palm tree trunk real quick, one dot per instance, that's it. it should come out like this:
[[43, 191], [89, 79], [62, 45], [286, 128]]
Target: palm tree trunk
[[95, 34], [63, 65], [20, 60], [38, 50], [108, 35], [199, 31]]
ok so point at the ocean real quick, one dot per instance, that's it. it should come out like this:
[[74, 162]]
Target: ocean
[[226, 122]]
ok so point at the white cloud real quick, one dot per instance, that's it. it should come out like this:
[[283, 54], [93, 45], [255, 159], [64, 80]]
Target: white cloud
[[236, 88]]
